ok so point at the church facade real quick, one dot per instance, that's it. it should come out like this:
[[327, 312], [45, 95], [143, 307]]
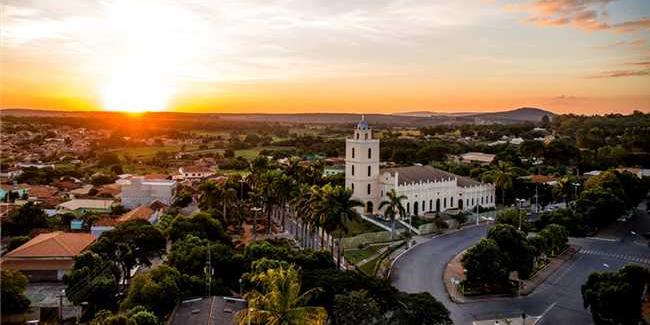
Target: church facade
[[427, 189]]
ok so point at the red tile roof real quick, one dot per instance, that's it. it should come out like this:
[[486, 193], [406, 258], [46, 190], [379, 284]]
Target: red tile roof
[[53, 244], [142, 212]]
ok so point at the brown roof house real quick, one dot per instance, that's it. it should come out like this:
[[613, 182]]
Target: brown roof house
[[147, 212], [47, 256]]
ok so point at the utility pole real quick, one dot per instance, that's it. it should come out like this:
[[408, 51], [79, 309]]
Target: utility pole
[[61, 306], [477, 216]]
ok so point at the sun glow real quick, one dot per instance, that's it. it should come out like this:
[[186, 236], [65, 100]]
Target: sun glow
[[135, 92]]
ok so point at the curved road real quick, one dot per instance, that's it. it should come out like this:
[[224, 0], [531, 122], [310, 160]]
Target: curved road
[[558, 298]]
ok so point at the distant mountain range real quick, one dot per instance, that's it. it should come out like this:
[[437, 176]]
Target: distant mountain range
[[415, 119], [530, 114]]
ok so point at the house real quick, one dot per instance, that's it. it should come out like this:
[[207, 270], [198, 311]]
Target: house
[[139, 190], [144, 212], [47, 256], [83, 206], [478, 158], [19, 190], [210, 311], [11, 173], [195, 172], [46, 194]]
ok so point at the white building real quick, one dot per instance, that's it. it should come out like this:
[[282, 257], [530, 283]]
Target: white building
[[138, 190], [427, 189], [194, 172]]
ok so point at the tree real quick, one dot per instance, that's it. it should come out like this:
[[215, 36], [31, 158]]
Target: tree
[[420, 308], [13, 288], [502, 175], [356, 308], [16, 242], [514, 217], [554, 239], [157, 290], [201, 225], [392, 207], [130, 244], [517, 253], [615, 297], [339, 209], [189, 256], [135, 316], [280, 301], [485, 265], [94, 281], [182, 200], [25, 219]]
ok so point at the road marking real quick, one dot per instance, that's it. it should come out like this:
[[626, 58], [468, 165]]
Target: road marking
[[630, 258], [545, 311]]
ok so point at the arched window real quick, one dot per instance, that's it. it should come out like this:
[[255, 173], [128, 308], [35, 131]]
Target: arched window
[[366, 136], [369, 172], [352, 184], [408, 207], [451, 202], [352, 152], [472, 201], [423, 206], [369, 153], [368, 189], [430, 205], [481, 200], [352, 170], [444, 203], [357, 135]]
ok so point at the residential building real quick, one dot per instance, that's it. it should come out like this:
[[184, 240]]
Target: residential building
[[427, 189], [139, 190], [83, 206], [477, 158], [150, 213], [210, 311], [19, 190], [193, 172], [47, 256]]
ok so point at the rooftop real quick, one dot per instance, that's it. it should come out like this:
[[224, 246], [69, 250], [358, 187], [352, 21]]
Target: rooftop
[[86, 204], [478, 156], [142, 212], [53, 244], [416, 174]]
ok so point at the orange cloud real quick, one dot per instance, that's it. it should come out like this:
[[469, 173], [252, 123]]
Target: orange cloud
[[587, 15]]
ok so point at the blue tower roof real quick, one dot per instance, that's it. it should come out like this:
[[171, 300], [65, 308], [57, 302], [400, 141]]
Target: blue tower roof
[[363, 124]]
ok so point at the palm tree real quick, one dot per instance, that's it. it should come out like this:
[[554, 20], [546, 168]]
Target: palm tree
[[340, 211], [393, 207], [301, 203], [280, 302], [228, 198], [502, 175]]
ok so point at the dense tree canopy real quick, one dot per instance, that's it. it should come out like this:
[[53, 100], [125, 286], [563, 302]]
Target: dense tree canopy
[[13, 288]]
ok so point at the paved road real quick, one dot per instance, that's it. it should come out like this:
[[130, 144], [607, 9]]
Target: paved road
[[558, 298]]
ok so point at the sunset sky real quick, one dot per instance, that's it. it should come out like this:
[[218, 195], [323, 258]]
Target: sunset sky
[[362, 56]]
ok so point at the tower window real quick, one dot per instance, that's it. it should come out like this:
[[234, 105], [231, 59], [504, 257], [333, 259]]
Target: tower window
[[369, 171], [352, 170], [352, 184], [366, 136], [369, 153], [357, 135], [451, 202], [352, 152], [368, 189]]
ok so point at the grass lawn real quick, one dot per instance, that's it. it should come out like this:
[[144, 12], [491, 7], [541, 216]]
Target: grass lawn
[[369, 268], [357, 255], [357, 227], [249, 154]]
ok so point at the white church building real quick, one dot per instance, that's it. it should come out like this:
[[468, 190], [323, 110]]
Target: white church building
[[427, 189]]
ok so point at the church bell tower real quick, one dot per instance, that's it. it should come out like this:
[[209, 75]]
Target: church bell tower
[[362, 166]]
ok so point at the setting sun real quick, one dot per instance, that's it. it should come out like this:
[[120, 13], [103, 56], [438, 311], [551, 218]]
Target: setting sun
[[131, 92]]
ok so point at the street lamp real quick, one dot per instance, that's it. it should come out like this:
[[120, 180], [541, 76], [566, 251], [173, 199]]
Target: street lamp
[[575, 190], [241, 287], [255, 211], [520, 203]]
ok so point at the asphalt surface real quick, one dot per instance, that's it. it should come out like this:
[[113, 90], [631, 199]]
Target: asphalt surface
[[558, 299]]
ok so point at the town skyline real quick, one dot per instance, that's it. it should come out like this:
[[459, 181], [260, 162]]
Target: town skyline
[[585, 57]]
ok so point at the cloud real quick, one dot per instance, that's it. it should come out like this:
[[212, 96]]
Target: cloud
[[587, 15], [620, 74]]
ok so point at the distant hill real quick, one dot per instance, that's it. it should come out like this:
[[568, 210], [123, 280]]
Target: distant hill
[[530, 114], [523, 114], [413, 119]]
